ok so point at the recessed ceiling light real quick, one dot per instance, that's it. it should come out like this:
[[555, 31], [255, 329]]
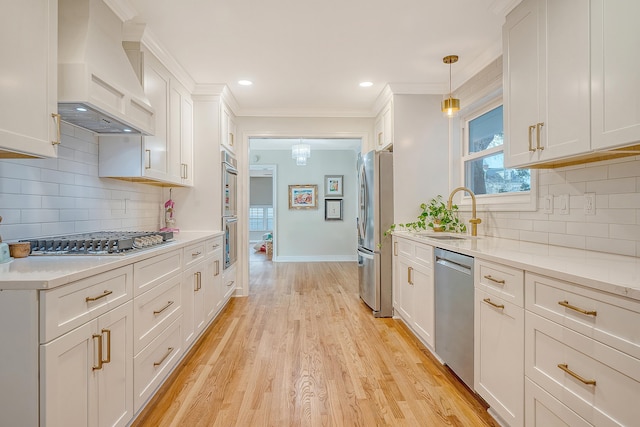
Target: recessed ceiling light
[[127, 130], [245, 82], [366, 84], [81, 109]]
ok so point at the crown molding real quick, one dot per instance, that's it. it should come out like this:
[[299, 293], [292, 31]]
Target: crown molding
[[123, 9]]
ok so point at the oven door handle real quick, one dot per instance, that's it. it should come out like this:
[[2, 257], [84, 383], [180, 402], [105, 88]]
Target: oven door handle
[[229, 220]]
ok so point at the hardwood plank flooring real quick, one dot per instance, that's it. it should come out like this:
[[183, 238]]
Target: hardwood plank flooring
[[304, 350]]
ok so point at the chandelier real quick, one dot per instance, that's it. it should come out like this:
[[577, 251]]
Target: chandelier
[[301, 152]]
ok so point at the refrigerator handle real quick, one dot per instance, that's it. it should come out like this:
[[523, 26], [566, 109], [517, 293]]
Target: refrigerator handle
[[365, 255], [362, 223]]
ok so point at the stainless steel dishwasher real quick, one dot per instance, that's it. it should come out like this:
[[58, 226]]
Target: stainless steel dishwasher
[[454, 312]]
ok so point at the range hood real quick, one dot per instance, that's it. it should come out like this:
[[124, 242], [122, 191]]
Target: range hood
[[97, 86]]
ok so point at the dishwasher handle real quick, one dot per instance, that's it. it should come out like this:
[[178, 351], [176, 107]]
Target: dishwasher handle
[[466, 269]]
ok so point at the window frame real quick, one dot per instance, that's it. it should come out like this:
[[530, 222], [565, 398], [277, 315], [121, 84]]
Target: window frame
[[521, 201], [265, 217]]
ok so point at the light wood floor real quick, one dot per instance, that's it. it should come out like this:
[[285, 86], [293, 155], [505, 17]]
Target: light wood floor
[[303, 350]]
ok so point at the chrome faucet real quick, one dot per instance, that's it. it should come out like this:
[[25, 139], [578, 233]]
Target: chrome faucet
[[474, 221]]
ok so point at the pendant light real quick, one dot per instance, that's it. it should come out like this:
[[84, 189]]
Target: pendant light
[[301, 152], [451, 105]]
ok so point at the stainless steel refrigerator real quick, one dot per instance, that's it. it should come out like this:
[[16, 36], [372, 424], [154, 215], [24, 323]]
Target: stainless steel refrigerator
[[375, 215]]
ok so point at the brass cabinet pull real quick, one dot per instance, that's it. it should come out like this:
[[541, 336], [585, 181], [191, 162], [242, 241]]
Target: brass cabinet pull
[[104, 294], [108, 359], [565, 368], [183, 170], [169, 350], [531, 128], [395, 248], [565, 303], [56, 118], [198, 281], [409, 275], [217, 268], [169, 304], [100, 362], [379, 138], [195, 254], [501, 281], [148, 162], [538, 146], [493, 304], [231, 137], [231, 283]]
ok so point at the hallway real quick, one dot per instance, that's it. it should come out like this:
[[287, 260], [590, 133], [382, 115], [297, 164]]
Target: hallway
[[303, 350]]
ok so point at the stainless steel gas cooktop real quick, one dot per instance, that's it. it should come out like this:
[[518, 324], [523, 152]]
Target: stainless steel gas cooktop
[[99, 243]]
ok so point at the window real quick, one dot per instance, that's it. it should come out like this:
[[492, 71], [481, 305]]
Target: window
[[483, 163], [261, 218]]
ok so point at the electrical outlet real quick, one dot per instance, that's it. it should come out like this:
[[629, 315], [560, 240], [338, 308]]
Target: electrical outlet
[[547, 204], [589, 203], [563, 204]]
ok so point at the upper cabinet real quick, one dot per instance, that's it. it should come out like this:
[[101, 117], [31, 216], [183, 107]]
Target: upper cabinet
[[615, 62], [384, 127], [564, 103], [29, 125], [546, 81], [227, 128], [167, 156]]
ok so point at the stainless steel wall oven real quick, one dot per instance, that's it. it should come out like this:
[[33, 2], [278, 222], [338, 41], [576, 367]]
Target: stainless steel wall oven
[[229, 209]]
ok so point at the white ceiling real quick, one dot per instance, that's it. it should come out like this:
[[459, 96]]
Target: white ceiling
[[307, 57]]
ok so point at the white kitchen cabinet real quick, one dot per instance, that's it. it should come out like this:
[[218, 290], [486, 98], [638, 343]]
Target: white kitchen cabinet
[[227, 128], [213, 295], [87, 374], [544, 410], [615, 61], [413, 287], [498, 355], [167, 156], [29, 125], [227, 285], [546, 81], [384, 127]]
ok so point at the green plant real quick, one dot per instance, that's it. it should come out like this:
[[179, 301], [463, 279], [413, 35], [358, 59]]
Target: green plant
[[436, 216]]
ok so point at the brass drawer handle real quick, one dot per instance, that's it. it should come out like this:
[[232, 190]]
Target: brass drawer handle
[[169, 350], [198, 281], [538, 146], [409, 275], [531, 128], [169, 304], [56, 118], [395, 248], [90, 299], [565, 368], [217, 273], [488, 277], [231, 283], [100, 362], [491, 303], [148, 160], [195, 254], [565, 303], [108, 359]]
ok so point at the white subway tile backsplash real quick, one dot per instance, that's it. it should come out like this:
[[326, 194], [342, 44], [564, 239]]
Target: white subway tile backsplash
[[624, 232], [612, 216], [625, 201], [534, 236], [550, 226], [624, 170], [585, 174], [614, 246], [612, 186], [584, 229], [551, 177], [65, 195], [567, 240]]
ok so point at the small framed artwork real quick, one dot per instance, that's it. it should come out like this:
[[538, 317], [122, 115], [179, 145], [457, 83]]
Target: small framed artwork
[[333, 209], [333, 185], [303, 196]]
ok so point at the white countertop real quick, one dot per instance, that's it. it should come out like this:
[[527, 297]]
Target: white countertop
[[616, 274], [49, 271]]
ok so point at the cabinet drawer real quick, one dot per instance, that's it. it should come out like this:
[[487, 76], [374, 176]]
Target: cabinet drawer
[[154, 310], [155, 362], [67, 307], [555, 356], [544, 410], [420, 253], [153, 271], [614, 320], [193, 253], [211, 246], [501, 280]]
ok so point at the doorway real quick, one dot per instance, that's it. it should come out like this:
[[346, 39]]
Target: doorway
[[262, 210]]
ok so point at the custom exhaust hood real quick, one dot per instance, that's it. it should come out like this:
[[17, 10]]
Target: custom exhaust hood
[[97, 86]]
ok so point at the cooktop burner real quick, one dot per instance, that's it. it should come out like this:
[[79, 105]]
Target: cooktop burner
[[99, 243]]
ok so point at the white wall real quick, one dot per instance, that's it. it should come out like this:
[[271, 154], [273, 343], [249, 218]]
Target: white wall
[[303, 234], [44, 197], [615, 228]]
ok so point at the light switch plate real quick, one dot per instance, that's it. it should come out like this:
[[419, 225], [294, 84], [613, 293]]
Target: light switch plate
[[547, 204], [563, 204], [589, 203]]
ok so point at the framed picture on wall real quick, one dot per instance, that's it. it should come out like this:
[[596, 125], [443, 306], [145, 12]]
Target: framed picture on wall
[[333, 185], [333, 209], [303, 196]]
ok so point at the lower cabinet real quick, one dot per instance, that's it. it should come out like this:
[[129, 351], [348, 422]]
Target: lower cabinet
[[544, 410], [82, 371], [413, 287]]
